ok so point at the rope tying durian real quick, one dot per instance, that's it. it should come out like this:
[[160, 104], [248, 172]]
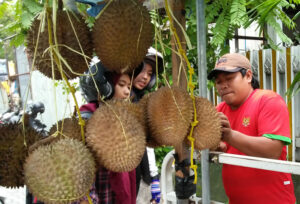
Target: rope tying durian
[[72, 89], [191, 87]]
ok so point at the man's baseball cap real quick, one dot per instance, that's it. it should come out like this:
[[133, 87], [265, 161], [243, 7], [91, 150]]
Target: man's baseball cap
[[232, 62]]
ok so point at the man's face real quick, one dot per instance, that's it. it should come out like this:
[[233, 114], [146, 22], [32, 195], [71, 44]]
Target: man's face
[[233, 88]]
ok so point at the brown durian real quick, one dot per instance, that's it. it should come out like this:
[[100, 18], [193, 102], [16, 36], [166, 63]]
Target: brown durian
[[170, 112], [122, 35], [61, 172], [68, 127], [143, 103], [207, 133], [65, 36], [116, 137], [13, 152]]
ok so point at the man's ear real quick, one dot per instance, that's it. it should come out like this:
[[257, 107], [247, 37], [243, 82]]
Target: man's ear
[[249, 75]]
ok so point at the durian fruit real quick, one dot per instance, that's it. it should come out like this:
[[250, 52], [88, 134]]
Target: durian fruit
[[61, 172], [65, 36], [207, 133], [13, 152], [116, 137], [67, 127], [170, 112], [142, 104], [122, 35]]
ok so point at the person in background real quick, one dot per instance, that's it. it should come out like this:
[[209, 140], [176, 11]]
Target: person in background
[[254, 122], [110, 187], [147, 172]]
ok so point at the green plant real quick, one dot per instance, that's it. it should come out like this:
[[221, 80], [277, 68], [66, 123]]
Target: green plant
[[160, 153]]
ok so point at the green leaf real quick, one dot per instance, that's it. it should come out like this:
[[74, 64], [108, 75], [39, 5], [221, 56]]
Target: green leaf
[[296, 15], [26, 19], [18, 40], [273, 23], [238, 12], [293, 90], [212, 10], [32, 6], [221, 29], [3, 9]]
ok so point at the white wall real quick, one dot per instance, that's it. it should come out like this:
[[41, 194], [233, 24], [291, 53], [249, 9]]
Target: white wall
[[57, 104], [13, 196]]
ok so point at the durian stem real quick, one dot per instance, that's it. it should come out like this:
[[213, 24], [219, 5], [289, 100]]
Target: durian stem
[[191, 86], [72, 89]]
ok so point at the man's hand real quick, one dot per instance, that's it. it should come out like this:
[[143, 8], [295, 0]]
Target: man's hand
[[222, 147], [225, 127]]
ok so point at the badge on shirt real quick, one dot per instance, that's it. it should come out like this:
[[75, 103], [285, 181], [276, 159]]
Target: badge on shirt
[[246, 121]]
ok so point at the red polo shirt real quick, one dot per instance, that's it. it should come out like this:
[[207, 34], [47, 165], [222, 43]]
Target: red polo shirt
[[263, 114]]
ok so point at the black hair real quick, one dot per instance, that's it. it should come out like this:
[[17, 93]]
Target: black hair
[[254, 81], [141, 66], [138, 69]]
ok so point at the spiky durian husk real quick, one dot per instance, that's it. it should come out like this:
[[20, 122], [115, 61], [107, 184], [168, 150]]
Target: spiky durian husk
[[13, 152], [170, 111], [116, 137], [207, 133], [61, 172], [65, 36], [68, 127], [122, 35], [143, 103]]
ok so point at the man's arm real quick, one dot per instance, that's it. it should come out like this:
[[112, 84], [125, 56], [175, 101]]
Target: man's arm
[[251, 146]]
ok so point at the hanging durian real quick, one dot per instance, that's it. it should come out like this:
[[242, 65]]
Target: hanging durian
[[207, 133], [142, 104], [122, 35], [61, 172], [66, 39], [116, 137], [67, 127], [170, 112], [13, 152]]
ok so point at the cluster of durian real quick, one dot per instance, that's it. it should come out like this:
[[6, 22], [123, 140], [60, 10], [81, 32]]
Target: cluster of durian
[[13, 152], [120, 37], [60, 172], [170, 114], [116, 136], [67, 41]]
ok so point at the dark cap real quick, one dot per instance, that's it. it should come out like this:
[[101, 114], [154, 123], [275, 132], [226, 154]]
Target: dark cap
[[232, 62]]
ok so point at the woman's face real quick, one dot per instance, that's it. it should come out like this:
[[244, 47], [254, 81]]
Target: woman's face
[[122, 88], [143, 78]]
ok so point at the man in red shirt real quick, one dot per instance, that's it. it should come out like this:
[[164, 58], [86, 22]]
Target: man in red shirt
[[255, 123]]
